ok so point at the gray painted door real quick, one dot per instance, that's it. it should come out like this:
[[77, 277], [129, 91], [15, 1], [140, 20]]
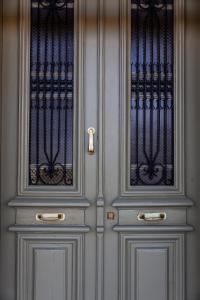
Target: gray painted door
[[104, 241]]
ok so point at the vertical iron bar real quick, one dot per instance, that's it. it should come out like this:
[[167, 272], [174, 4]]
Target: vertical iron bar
[[52, 83], [45, 103], [59, 87], [66, 94], [151, 40], [137, 91], [172, 99], [38, 92], [158, 88], [145, 28], [31, 100], [72, 35], [165, 93]]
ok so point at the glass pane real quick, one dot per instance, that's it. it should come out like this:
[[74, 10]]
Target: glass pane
[[51, 92], [152, 93]]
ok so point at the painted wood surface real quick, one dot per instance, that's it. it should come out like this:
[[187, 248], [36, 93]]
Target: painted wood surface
[[50, 267], [89, 257], [152, 267]]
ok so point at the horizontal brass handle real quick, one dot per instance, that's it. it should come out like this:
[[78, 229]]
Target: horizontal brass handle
[[50, 217], [160, 216]]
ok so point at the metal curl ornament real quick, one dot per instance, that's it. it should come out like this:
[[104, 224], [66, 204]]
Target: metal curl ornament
[[51, 173], [151, 173], [152, 4], [59, 4]]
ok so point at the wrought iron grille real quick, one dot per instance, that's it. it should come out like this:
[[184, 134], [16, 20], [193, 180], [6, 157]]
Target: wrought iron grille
[[51, 92], [152, 93]]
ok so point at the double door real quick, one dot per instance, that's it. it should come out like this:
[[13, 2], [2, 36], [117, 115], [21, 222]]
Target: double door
[[93, 182]]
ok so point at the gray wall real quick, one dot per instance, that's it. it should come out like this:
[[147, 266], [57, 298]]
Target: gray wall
[[9, 141]]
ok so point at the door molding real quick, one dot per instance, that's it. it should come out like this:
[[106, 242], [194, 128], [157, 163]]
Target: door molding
[[77, 189], [179, 141], [66, 252], [164, 258], [100, 203]]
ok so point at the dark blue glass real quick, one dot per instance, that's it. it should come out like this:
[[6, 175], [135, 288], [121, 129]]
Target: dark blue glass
[[51, 92], [152, 93]]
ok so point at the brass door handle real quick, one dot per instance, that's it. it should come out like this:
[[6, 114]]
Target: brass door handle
[[160, 216], [50, 217], [91, 133]]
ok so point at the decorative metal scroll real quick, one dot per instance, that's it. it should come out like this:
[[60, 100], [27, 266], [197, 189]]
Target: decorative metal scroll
[[152, 93], [51, 92]]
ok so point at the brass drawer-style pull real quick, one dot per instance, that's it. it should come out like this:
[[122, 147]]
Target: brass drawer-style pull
[[160, 216], [50, 217]]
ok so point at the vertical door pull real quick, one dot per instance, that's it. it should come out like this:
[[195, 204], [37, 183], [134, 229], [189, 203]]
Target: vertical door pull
[[91, 132]]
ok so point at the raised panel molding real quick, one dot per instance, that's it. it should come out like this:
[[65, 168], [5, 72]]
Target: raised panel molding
[[100, 202], [50, 266], [24, 189], [151, 267], [154, 191], [48, 202]]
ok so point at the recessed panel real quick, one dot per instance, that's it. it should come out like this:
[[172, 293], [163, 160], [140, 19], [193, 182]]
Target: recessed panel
[[151, 266], [50, 266], [49, 273]]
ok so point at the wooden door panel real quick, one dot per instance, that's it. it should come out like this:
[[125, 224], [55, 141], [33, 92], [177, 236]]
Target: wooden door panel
[[88, 254], [50, 266], [151, 267]]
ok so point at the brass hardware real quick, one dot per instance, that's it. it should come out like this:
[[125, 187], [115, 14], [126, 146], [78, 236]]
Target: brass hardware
[[110, 215], [160, 216], [91, 132], [50, 217]]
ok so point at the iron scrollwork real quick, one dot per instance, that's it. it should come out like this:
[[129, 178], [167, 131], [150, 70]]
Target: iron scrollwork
[[51, 93], [152, 93], [151, 5], [58, 4]]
